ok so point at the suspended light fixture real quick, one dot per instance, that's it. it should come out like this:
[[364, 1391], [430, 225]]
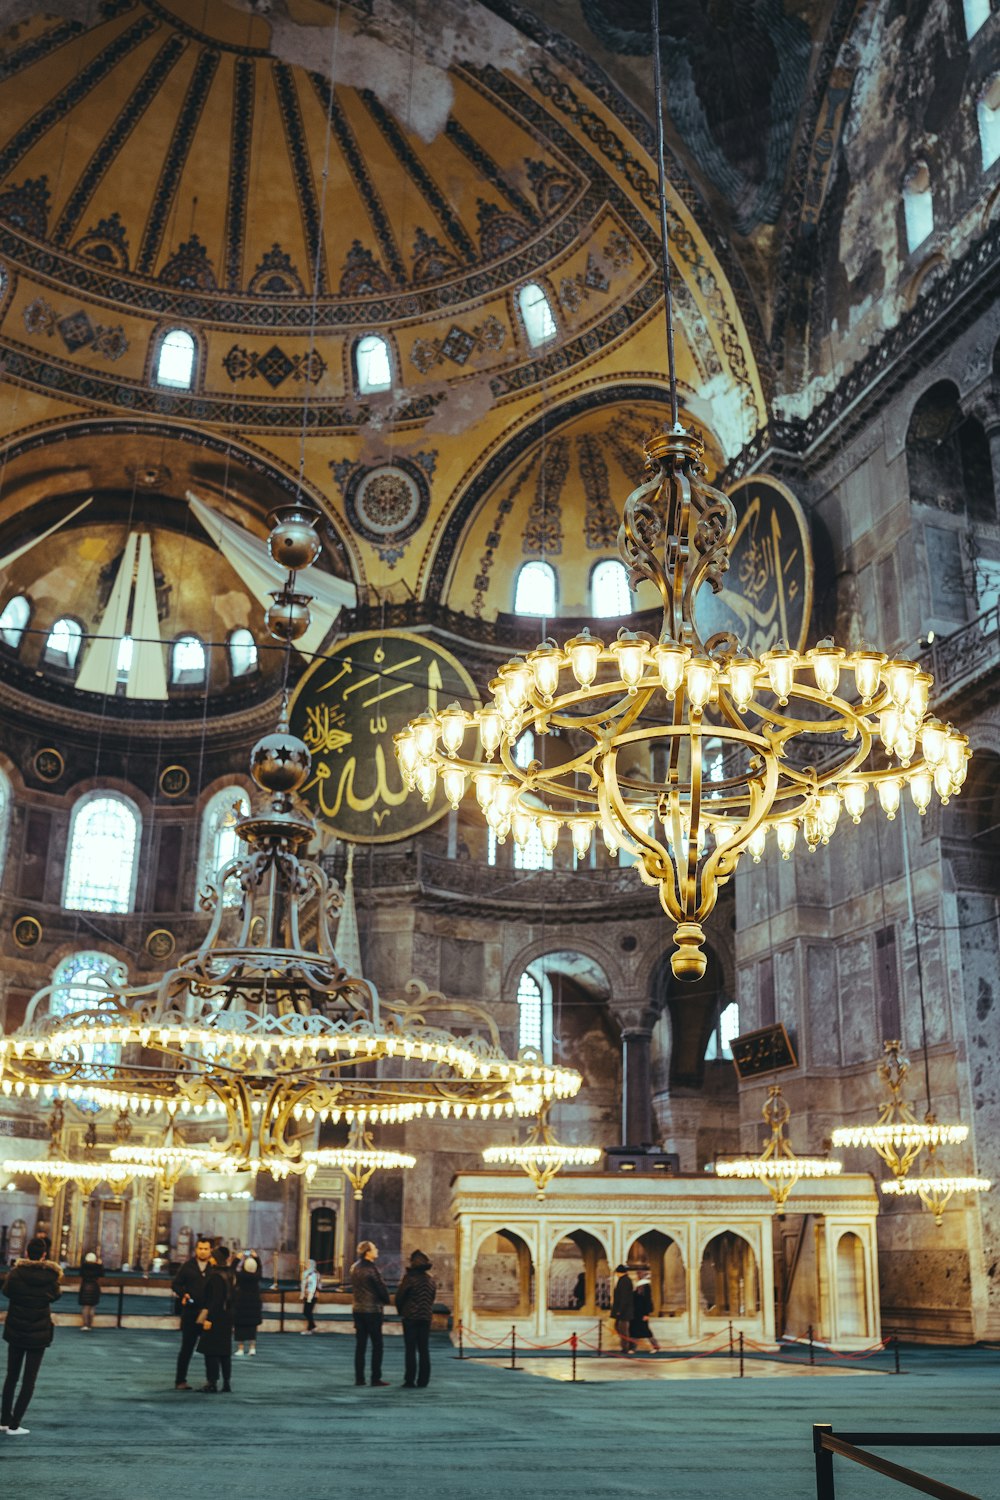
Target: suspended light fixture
[[935, 1188], [359, 1160], [897, 1135], [777, 1167], [541, 1155], [803, 733]]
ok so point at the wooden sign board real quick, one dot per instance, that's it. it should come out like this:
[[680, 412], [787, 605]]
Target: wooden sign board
[[766, 1051]]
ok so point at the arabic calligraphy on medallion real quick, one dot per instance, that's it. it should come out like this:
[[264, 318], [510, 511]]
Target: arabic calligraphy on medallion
[[767, 593], [347, 708]]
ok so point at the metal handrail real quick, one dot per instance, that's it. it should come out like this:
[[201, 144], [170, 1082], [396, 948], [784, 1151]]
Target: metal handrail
[[852, 1444]]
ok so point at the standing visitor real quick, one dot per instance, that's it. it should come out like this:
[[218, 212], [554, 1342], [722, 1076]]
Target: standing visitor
[[215, 1322], [189, 1288], [623, 1307], [30, 1288], [370, 1295], [248, 1309], [415, 1304], [310, 1291], [642, 1310], [90, 1289]]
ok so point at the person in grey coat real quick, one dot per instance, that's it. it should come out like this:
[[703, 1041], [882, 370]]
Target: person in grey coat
[[415, 1304], [30, 1288]]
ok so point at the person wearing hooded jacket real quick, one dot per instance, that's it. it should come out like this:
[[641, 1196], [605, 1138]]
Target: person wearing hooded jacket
[[248, 1307], [415, 1304], [30, 1288], [216, 1323]]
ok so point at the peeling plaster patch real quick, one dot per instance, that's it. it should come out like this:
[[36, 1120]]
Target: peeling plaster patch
[[403, 53], [720, 405], [461, 408]]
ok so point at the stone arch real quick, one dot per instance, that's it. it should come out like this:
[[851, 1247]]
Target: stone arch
[[852, 1289], [503, 1274], [661, 1256], [728, 1276], [582, 1282], [948, 456], [686, 1014]]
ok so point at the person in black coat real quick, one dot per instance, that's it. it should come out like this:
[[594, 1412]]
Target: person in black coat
[[642, 1311], [216, 1323], [30, 1288], [90, 1289], [189, 1289], [623, 1307], [248, 1307], [415, 1304], [369, 1294]]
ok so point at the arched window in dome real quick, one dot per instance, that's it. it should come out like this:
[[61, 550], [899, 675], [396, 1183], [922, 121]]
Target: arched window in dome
[[610, 595], [63, 644], [988, 112], [536, 313], [14, 620], [77, 985], [535, 590], [188, 662], [175, 359], [101, 866], [372, 364], [918, 205], [220, 842], [6, 809], [724, 1033], [123, 665], [534, 1015], [242, 652], [977, 13]]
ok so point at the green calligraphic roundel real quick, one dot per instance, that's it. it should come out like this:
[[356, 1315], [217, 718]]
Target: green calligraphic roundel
[[347, 708], [768, 591]]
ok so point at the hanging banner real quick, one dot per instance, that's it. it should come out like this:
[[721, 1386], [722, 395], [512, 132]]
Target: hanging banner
[[347, 708], [767, 594]]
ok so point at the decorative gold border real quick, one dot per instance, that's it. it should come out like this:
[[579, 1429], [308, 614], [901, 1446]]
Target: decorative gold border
[[48, 750], [187, 780], [31, 922], [160, 932]]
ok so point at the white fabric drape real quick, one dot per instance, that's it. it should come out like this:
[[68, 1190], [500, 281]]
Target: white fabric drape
[[262, 575], [99, 673], [12, 557], [147, 676]]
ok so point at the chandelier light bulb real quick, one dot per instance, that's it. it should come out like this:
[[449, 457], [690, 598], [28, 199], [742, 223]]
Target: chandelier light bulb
[[490, 729], [742, 681], [889, 725], [786, 834], [631, 654], [406, 751], [426, 779], [581, 832], [584, 654], [518, 679], [670, 659], [780, 665], [920, 694], [756, 844], [943, 783], [521, 826], [855, 799], [548, 832], [888, 796], [454, 722], [922, 790], [453, 779], [933, 741], [486, 786], [826, 659], [545, 663], [867, 673], [900, 677], [700, 681], [425, 734], [956, 752]]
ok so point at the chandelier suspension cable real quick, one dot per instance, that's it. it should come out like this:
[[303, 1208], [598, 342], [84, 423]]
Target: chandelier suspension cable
[[661, 169]]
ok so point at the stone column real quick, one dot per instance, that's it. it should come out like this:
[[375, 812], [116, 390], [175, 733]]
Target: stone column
[[637, 1087]]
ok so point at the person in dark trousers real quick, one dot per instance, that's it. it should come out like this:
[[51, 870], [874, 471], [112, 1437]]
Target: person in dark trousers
[[215, 1322], [369, 1296], [248, 1307], [30, 1288], [309, 1289], [415, 1304], [642, 1311], [90, 1289], [189, 1288], [623, 1307]]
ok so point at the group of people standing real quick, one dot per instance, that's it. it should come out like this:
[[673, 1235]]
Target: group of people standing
[[631, 1309]]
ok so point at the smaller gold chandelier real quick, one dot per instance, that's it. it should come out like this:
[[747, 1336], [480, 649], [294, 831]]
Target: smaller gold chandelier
[[170, 1162], [359, 1160], [541, 1155], [87, 1172], [898, 1136], [936, 1188], [777, 1167]]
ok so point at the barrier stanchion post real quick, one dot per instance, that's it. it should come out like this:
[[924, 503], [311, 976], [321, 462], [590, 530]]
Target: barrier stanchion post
[[461, 1340], [121, 1302], [824, 1463], [281, 1314], [513, 1346], [895, 1350], [741, 1353], [600, 1337], [812, 1352], [572, 1344], [732, 1349]]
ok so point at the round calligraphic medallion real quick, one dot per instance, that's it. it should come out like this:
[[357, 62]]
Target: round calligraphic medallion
[[768, 591], [347, 708], [49, 764], [387, 503], [27, 931], [160, 944], [174, 781]]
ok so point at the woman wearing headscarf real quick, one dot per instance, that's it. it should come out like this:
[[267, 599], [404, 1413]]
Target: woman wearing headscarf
[[89, 1294], [248, 1308]]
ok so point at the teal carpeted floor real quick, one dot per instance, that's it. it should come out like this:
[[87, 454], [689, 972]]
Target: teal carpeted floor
[[107, 1425]]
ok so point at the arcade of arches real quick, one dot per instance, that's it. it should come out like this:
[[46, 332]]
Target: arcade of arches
[[425, 295]]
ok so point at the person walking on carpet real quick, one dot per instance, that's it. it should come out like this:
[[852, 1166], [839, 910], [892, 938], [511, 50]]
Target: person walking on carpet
[[30, 1288]]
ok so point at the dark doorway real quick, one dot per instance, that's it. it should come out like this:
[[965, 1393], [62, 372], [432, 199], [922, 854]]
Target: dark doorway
[[323, 1239]]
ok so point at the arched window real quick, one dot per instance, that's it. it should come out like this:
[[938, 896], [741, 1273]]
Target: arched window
[[727, 1029], [124, 663], [988, 111], [175, 359], [220, 842], [242, 652], [977, 13], [14, 620], [372, 364], [539, 322], [6, 809], [529, 1007], [535, 591], [610, 595], [63, 644], [187, 661], [104, 837], [918, 205], [79, 983]]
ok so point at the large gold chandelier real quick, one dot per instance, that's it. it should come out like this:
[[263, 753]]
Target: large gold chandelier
[[262, 1034], [621, 729]]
